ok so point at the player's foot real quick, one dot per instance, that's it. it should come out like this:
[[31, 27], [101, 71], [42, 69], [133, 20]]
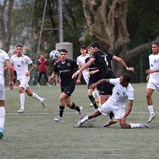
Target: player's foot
[[78, 124], [58, 118], [20, 110], [81, 112], [48, 84], [151, 117], [110, 122], [1, 132], [38, 85], [143, 125], [43, 102]]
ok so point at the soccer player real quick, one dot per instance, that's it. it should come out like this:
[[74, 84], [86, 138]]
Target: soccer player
[[42, 67], [21, 62], [4, 61], [103, 62], [153, 79], [81, 60], [65, 67], [122, 92], [94, 76]]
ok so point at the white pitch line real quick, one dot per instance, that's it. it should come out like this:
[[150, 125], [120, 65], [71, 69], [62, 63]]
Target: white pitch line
[[69, 113]]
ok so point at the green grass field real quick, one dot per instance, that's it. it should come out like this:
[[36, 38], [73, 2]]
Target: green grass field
[[35, 135]]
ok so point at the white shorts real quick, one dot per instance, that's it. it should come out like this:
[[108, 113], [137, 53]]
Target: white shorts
[[24, 82], [152, 85], [2, 92], [105, 109]]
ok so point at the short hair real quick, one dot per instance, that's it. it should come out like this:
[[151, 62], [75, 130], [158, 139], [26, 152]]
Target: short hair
[[95, 44], [127, 77], [83, 47], [156, 43], [63, 50], [19, 45]]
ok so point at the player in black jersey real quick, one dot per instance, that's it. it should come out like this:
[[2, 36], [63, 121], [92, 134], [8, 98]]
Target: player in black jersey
[[103, 62], [65, 67]]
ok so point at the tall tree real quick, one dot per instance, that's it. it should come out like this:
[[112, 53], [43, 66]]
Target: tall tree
[[107, 22]]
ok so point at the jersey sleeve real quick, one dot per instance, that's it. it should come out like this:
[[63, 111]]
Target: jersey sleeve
[[114, 81], [29, 60], [130, 92]]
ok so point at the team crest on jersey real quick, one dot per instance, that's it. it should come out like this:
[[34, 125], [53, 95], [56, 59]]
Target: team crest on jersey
[[22, 62], [68, 64]]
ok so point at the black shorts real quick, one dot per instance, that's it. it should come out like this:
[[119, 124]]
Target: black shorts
[[68, 89], [105, 88]]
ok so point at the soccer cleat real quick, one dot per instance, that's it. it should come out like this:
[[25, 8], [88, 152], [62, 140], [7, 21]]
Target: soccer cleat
[[81, 112], [38, 85], [1, 132], [78, 124], [91, 104], [48, 84], [151, 117], [20, 110], [110, 122], [58, 118], [143, 125], [43, 102]]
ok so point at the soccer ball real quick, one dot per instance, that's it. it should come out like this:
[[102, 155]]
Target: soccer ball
[[54, 55]]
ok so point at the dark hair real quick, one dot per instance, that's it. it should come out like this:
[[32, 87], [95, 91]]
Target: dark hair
[[63, 50], [95, 44], [155, 42], [127, 77], [19, 45], [83, 47]]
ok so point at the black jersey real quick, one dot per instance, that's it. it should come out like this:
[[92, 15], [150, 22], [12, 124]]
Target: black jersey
[[95, 77], [65, 69], [103, 62]]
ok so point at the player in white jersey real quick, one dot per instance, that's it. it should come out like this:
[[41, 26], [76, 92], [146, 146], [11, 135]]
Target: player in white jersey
[[4, 61], [81, 60], [20, 63], [122, 92], [153, 79]]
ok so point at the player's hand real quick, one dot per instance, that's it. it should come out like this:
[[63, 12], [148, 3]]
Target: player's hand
[[75, 74], [11, 85], [78, 81], [131, 69], [27, 73], [149, 71], [50, 79]]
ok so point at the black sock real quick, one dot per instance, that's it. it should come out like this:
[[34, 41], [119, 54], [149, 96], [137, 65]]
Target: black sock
[[75, 107], [93, 101], [61, 110], [111, 115]]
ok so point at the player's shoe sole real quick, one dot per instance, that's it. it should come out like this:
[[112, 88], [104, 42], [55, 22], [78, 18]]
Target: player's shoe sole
[[43, 103], [58, 118], [151, 117], [20, 111]]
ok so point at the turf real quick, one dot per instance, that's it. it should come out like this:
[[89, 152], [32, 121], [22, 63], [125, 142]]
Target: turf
[[35, 135]]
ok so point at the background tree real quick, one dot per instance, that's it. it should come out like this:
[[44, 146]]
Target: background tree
[[107, 22]]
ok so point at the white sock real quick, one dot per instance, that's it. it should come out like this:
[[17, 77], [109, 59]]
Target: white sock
[[84, 119], [96, 93], [134, 125], [151, 109], [22, 100], [35, 96], [2, 116]]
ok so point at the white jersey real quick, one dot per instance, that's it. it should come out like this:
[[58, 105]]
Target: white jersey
[[21, 65], [81, 61], [3, 57], [120, 94], [154, 64]]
